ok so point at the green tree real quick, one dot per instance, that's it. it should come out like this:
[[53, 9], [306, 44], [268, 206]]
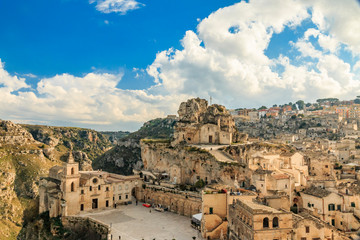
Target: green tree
[[262, 108], [300, 104]]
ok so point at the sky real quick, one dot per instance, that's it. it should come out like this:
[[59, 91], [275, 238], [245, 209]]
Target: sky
[[114, 64]]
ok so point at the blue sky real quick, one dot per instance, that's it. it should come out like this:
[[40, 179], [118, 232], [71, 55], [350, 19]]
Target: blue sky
[[46, 38], [113, 64]]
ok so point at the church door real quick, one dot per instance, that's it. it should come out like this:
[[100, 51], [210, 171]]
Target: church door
[[210, 139], [95, 203]]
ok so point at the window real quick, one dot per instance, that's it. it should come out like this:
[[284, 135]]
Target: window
[[107, 189], [331, 207], [72, 187], [72, 171], [82, 191], [90, 188], [95, 180], [352, 204], [326, 166], [266, 223], [275, 222], [285, 185], [307, 229], [126, 196], [338, 207], [333, 222], [211, 210], [99, 187], [81, 207], [309, 205], [107, 203], [119, 197]]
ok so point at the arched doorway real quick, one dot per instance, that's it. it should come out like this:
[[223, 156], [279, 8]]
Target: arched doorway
[[294, 208]]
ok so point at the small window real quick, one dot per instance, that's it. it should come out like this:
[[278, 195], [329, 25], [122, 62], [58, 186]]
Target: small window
[[119, 197], [99, 187], [107, 203], [333, 222], [338, 207], [307, 229], [90, 188], [82, 207], [127, 196], [211, 210], [352, 204], [107, 189], [72, 187], [275, 222], [82, 191], [72, 171], [265, 222], [326, 166], [331, 207]]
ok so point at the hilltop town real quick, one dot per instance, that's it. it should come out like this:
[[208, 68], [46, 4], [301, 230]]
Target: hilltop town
[[284, 172]]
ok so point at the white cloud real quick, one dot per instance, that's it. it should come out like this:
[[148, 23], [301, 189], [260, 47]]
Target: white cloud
[[91, 101], [116, 6], [225, 58]]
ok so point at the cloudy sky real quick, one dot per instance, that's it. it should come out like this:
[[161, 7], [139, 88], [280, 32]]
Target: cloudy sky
[[113, 64]]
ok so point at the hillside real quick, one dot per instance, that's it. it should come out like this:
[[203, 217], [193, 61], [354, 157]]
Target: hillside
[[114, 137], [126, 155]]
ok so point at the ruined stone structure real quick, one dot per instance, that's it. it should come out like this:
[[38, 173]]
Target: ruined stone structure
[[203, 124], [68, 191]]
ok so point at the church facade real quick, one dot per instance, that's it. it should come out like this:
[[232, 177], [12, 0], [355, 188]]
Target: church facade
[[68, 191]]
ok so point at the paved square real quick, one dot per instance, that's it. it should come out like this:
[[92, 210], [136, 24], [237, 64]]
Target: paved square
[[137, 222]]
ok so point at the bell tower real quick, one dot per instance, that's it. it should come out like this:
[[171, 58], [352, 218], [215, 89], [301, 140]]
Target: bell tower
[[70, 186]]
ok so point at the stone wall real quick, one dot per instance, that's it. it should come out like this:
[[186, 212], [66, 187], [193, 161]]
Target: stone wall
[[89, 228], [184, 203]]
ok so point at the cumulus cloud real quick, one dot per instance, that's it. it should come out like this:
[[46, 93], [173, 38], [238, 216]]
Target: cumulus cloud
[[91, 100], [226, 57], [116, 6]]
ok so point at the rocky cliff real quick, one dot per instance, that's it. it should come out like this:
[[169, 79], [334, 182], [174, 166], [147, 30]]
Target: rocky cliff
[[126, 155]]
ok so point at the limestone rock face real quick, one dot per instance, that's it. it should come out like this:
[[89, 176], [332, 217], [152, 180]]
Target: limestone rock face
[[11, 133], [84, 161], [191, 110]]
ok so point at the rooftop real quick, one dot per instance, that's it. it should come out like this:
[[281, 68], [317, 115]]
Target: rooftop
[[317, 192]]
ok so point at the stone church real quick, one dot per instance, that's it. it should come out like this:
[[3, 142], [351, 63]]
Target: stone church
[[203, 124], [68, 191]]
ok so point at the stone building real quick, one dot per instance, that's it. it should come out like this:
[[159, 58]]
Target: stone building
[[251, 220], [203, 124], [215, 211], [68, 191]]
